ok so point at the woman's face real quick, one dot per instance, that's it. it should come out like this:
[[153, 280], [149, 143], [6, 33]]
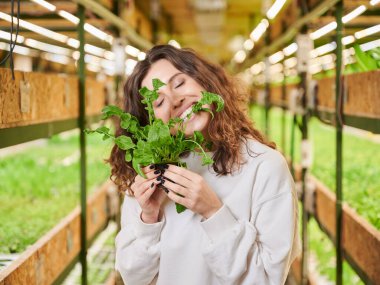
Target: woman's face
[[177, 97]]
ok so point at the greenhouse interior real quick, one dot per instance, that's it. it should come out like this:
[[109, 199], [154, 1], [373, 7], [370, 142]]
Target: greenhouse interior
[[260, 120]]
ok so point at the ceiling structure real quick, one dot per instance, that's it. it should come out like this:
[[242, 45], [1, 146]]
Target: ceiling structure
[[215, 28]]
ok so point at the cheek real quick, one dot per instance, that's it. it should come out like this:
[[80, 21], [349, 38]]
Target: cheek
[[161, 114]]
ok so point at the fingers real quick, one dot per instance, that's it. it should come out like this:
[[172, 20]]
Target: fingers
[[179, 189], [140, 189], [182, 174], [150, 173]]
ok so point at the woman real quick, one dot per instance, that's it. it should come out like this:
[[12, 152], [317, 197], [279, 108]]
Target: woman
[[240, 226]]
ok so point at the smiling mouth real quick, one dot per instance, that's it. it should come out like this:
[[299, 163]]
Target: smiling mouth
[[185, 113]]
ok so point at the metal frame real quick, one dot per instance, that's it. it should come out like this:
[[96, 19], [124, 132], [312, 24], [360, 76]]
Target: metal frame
[[21, 134]]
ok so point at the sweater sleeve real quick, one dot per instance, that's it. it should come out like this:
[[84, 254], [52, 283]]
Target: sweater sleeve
[[258, 251], [137, 246]]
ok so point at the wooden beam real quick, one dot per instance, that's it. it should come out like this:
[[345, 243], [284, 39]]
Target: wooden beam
[[31, 8], [63, 23]]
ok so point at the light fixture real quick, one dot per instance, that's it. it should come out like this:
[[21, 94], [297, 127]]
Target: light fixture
[[129, 66], [290, 49], [240, 56], [353, 14], [276, 57], [348, 40], [132, 51], [276, 7], [73, 43], [370, 45], [58, 58], [109, 55], [48, 47], [18, 49], [35, 28], [45, 4], [367, 32], [248, 44], [7, 36], [323, 49], [257, 68], [68, 16], [290, 62], [323, 31], [94, 50], [374, 2], [98, 33], [141, 55], [174, 43], [259, 30], [276, 68]]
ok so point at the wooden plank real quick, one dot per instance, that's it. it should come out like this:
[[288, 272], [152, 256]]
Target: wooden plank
[[44, 98], [361, 94], [43, 262], [361, 240], [295, 270]]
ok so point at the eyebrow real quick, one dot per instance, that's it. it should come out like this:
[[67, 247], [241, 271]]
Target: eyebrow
[[173, 77]]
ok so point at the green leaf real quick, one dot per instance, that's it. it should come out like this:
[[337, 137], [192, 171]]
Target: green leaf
[[159, 132], [128, 156], [124, 142], [198, 137], [365, 62], [136, 166], [157, 83], [209, 98], [111, 110], [206, 160], [180, 208]]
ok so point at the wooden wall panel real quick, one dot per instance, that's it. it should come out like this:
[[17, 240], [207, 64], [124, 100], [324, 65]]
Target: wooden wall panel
[[46, 98], [361, 94]]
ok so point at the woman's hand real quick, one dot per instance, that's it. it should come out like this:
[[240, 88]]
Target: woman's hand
[[196, 194], [148, 198]]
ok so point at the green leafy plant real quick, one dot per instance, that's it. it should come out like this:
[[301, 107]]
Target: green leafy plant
[[366, 61], [154, 143]]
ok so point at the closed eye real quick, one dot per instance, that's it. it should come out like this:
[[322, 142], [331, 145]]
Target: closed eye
[[160, 104], [180, 84]]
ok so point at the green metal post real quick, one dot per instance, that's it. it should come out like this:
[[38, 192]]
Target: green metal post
[[283, 98], [304, 85], [267, 87], [82, 116], [292, 141], [339, 141]]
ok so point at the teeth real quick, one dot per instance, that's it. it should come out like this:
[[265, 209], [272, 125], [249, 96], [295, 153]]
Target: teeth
[[187, 112]]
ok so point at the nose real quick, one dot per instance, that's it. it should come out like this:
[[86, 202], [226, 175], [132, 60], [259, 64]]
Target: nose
[[177, 101]]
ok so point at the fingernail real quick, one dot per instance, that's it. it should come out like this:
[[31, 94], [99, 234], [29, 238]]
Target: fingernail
[[165, 189], [157, 172], [166, 166], [162, 181], [162, 171], [151, 186], [151, 166], [159, 178]]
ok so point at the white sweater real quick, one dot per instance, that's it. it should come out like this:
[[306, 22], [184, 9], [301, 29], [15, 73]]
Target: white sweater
[[252, 239]]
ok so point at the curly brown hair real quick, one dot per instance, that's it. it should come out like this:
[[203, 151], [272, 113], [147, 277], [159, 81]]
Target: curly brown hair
[[228, 130]]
